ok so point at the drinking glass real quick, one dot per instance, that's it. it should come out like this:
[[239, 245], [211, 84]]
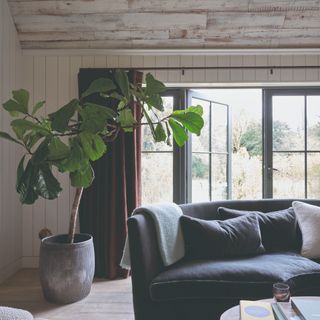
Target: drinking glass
[[281, 292]]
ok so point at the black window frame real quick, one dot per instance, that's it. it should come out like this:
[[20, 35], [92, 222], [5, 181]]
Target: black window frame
[[268, 94], [182, 164]]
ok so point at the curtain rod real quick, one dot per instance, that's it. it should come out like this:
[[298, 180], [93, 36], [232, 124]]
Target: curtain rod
[[221, 67], [183, 69]]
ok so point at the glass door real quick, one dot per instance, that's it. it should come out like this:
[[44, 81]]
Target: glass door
[[210, 165], [292, 147], [157, 160]]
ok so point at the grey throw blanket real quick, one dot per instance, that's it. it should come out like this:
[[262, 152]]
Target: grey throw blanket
[[166, 218]]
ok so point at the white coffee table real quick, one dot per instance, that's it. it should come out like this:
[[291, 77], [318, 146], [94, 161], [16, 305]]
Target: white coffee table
[[234, 312]]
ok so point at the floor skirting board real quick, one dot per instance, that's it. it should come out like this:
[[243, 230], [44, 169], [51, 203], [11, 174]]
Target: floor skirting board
[[9, 270], [30, 262]]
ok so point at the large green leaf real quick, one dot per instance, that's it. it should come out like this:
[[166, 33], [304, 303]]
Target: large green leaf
[[19, 103], [47, 186], [93, 146], [179, 134], [94, 117], [190, 120], [7, 136], [76, 158], [57, 150], [21, 126], [195, 109], [83, 177], [122, 81], [101, 85], [38, 106], [22, 97], [160, 134], [150, 123], [153, 86], [126, 119], [31, 138], [26, 184], [41, 153], [60, 119], [14, 108], [155, 101], [20, 171]]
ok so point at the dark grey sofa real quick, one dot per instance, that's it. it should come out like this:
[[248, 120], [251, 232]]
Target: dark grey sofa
[[203, 289]]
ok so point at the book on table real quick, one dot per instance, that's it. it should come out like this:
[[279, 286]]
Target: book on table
[[255, 310], [307, 309], [284, 311]]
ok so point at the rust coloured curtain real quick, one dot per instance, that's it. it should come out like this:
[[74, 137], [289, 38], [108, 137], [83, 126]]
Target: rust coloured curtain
[[116, 190]]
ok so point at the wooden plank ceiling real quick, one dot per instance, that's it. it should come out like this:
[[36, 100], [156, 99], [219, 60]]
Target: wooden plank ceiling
[[165, 24]]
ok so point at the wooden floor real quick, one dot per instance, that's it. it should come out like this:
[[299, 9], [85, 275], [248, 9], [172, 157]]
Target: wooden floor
[[108, 300]]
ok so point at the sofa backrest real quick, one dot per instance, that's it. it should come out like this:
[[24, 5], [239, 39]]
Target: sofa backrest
[[208, 210]]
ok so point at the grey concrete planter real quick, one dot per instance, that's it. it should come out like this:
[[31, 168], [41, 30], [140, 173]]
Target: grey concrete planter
[[66, 270]]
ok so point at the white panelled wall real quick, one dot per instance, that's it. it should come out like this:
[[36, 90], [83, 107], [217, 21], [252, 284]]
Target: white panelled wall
[[53, 77], [10, 208]]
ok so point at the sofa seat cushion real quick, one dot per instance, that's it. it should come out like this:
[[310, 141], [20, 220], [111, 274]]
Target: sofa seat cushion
[[241, 278]]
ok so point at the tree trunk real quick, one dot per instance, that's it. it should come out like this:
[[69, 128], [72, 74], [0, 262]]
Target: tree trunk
[[74, 214]]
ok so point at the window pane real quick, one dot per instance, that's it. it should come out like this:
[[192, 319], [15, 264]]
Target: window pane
[[157, 177], [201, 143], [313, 118], [288, 178], [148, 143], [200, 177], [288, 123], [219, 128], [313, 175], [247, 175], [219, 177]]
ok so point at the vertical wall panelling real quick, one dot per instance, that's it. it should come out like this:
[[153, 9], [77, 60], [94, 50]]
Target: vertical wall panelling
[[112, 61], [137, 61], [162, 61], [262, 74], [100, 61], [39, 208], [186, 75], [198, 61], [75, 65], [63, 98], [299, 74], [124, 62], [311, 74], [174, 75], [211, 74], [248, 74], [27, 215], [236, 74], [10, 208], [274, 75], [51, 97], [224, 74], [87, 61], [286, 74], [55, 79], [149, 62]]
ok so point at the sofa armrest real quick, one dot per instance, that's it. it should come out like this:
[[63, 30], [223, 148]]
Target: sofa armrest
[[146, 261]]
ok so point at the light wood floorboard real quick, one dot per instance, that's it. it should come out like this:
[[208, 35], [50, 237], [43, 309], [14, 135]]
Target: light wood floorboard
[[108, 300]]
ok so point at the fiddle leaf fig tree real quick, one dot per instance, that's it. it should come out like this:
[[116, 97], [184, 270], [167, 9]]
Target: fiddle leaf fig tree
[[77, 133]]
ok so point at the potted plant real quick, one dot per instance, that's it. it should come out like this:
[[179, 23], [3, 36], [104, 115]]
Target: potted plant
[[69, 140]]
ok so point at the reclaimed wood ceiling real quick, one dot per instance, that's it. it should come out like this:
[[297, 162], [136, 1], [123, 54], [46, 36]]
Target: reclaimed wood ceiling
[[167, 24]]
